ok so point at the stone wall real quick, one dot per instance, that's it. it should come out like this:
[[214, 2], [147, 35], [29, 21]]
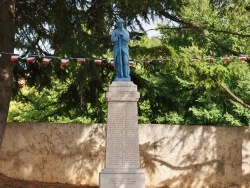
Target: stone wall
[[171, 156]]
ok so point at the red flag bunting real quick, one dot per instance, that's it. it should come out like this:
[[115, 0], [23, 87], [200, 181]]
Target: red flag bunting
[[146, 61], [209, 59], [131, 62], [98, 61], [14, 58], [226, 59], [242, 58], [81, 60], [46, 60], [193, 59], [64, 62], [30, 59], [112, 63]]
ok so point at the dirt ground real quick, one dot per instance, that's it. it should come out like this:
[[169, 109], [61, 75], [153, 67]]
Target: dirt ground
[[7, 182]]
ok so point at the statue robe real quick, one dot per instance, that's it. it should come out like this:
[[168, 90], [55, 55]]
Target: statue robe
[[121, 43]]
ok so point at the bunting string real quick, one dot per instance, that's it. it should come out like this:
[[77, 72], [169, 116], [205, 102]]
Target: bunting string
[[81, 60]]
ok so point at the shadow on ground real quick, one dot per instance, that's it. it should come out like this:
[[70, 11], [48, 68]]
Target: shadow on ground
[[7, 182]]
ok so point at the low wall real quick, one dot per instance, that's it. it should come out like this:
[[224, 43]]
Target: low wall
[[172, 156]]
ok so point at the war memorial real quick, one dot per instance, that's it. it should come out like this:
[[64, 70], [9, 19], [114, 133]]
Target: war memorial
[[122, 159]]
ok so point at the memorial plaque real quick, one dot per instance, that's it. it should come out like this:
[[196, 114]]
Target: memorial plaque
[[128, 179], [122, 159], [122, 135]]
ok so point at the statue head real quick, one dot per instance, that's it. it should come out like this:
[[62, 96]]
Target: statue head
[[120, 23]]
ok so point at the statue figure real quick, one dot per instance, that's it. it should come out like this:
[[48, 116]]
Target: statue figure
[[120, 38]]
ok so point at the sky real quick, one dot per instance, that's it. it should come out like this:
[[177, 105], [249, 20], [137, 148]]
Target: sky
[[151, 33], [151, 25]]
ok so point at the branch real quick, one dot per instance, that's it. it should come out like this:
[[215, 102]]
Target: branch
[[172, 17], [218, 43], [196, 27], [226, 89], [189, 25], [227, 32], [233, 96]]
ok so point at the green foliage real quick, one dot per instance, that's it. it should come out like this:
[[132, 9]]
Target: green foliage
[[173, 88], [32, 106], [79, 97]]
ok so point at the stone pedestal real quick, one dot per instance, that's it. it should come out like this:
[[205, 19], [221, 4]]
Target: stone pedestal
[[122, 161]]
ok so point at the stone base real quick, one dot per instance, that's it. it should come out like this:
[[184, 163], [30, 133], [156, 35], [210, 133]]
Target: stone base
[[124, 79], [122, 178]]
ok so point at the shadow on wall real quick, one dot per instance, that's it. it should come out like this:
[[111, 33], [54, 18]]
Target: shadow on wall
[[172, 156], [197, 156], [88, 157], [83, 158], [66, 153]]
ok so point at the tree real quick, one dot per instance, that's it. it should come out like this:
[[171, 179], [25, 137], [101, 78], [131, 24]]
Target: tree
[[71, 28], [82, 28], [7, 21], [214, 28]]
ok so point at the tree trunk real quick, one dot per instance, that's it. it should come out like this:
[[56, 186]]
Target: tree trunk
[[7, 39]]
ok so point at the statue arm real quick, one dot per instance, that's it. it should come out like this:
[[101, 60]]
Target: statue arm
[[126, 35], [114, 38]]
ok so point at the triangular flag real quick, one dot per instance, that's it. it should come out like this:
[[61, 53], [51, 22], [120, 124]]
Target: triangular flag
[[30, 59], [112, 63], [98, 61], [193, 59], [80, 60], [46, 60], [209, 59], [14, 57], [131, 62], [146, 61], [226, 59], [64, 62], [242, 58]]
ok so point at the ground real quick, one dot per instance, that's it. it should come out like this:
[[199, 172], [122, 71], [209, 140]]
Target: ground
[[7, 182]]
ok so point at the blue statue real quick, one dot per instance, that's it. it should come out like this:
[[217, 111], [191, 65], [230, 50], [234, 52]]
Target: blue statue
[[120, 38]]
